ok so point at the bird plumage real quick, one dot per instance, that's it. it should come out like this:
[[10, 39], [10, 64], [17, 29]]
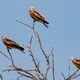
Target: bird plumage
[[11, 44], [37, 17], [76, 62]]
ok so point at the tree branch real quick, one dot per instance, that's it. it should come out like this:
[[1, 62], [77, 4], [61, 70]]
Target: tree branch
[[53, 64], [24, 24], [38, 38], [5, 55], [72, 75], [1, 78], [10, 56]]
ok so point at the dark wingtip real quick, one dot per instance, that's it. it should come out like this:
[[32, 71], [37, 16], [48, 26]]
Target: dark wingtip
[[45, 25], [46, 22], [22, 49]]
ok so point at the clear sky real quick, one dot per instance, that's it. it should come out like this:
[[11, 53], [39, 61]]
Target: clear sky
[[63, 33]]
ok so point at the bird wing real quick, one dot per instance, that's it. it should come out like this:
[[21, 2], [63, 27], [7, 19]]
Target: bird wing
[[10, 42], [38, 16], [78, 60], [77, 64]]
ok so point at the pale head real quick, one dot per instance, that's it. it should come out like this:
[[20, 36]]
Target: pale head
[[72, 58], [32, 8], [4, 37]]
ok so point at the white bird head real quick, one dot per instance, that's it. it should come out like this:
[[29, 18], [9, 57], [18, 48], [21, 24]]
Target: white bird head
[[4, 37], [72, 58], [32, 8]]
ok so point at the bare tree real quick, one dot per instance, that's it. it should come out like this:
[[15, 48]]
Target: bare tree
[[38, 73]]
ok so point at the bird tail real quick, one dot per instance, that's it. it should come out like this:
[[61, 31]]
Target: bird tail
[[45, 25], [45, 22], [19, 47]]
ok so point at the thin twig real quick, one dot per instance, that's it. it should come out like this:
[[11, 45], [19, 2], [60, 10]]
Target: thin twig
[[47, 70], [30, 74], [38, 38], [63, 76], [19, 77], [20, 70], [69, 70], [31, 54], [24, 24], [33, 23], [1, 78], [36, 65], [53, 64], [24, 75], [41, 48], [72, 75], [31, 40], [46, 57], [10, 56], [5, 55], [75, 76]]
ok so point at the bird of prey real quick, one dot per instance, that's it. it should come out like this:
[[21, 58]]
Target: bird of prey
[[11, 44], [37, 17], [75, 61]]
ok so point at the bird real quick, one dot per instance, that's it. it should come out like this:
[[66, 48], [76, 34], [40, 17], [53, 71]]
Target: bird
[[75, 61], [11, 44], [37, 16]]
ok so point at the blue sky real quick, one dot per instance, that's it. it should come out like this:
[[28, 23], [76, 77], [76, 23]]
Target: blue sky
[[63, 33]]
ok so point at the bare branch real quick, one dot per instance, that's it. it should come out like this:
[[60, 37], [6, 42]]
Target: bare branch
[[53, 64], [47, 59], [10, 56], [5, 55], [33, 23], [47, 70], [41, 48], [1, 78], [63, 76], [31, 40], [19, 77], [33, 58], [72, 75], [76, 76], [24, 24], [20, 71], [24, 75], [36, 65], [69, 70], [38, 38]]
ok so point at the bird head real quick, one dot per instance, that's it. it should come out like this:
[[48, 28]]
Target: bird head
[[32, 8], [72, 58], [4, 37]]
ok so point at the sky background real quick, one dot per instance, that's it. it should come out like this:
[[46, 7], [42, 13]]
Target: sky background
[[63, 33]]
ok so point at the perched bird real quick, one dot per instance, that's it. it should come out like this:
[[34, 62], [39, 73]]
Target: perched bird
[[37, 17], [75, 61], [11, 44]]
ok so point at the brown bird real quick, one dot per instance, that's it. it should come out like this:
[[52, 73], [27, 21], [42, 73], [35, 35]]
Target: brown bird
[[11, 44], [37, 17], [75, 61]]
